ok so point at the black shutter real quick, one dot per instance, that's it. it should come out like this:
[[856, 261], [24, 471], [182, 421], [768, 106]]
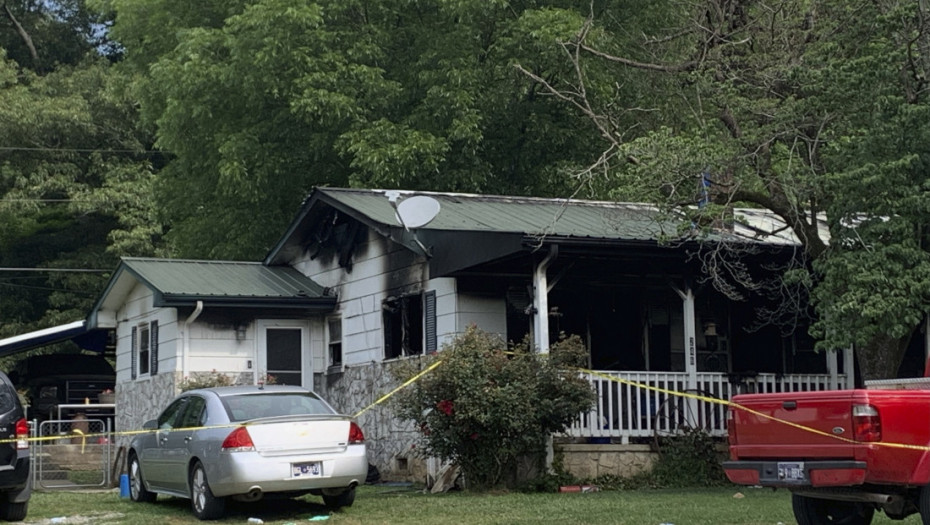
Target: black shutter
[[134, 350], [429, 314], [153, 347]]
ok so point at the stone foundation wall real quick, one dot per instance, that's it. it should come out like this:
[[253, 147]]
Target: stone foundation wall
[[392, 443], [586, 461], [139, 401]]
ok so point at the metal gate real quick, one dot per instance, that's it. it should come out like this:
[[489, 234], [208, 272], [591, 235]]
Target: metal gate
[[73, 453]]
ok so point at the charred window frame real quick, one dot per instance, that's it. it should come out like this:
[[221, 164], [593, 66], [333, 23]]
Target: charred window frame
[[409, 325], [334, 326]]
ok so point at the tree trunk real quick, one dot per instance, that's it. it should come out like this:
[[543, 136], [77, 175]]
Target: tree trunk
[[881, 357]]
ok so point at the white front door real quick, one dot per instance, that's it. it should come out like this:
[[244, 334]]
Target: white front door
[[284, 352]]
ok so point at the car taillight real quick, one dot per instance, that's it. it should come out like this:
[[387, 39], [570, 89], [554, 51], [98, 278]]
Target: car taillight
[[355, 434], [866, 423], [238, 440], [22, 434]]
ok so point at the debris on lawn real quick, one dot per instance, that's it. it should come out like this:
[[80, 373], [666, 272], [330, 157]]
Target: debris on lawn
[[322, 517], [89, 519], [738, 495], [578, 488]]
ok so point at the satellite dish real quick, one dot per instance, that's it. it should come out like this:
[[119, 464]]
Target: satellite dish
[[417, 211]]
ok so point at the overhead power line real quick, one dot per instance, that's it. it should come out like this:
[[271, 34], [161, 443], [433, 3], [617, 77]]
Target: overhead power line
[[80, 150], [76, 270]]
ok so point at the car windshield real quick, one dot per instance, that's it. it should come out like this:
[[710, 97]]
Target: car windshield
[[251, 406]]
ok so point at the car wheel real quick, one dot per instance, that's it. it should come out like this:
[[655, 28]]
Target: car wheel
[[137, 489], [204, 504], [337, 501], [816, 511], [10, 511]]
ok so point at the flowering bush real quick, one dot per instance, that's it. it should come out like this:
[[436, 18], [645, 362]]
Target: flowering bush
[[205, 380], [487, 409]]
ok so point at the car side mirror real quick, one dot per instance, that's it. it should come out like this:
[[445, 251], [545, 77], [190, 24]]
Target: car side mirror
[[151, 424]]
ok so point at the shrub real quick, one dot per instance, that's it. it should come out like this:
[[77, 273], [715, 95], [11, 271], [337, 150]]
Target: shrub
[[205, 380], [690, 459], [490, 410]]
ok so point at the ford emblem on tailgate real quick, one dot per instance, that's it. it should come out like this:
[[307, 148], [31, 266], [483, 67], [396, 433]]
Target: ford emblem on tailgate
[[838, 430]]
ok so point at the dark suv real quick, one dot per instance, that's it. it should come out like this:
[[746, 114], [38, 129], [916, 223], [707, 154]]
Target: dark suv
[[15, 480]]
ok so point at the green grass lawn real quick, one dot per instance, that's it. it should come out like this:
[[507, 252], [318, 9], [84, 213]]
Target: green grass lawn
[[402, 505]]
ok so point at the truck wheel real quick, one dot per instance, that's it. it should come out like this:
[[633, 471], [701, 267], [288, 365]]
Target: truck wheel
[[924, 504], [816, 511]]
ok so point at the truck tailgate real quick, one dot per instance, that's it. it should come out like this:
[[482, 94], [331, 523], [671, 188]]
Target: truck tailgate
[[763, 428], [819, 426]]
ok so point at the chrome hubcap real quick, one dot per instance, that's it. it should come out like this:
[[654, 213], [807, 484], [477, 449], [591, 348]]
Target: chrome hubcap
[[198, 487], [135, 479]]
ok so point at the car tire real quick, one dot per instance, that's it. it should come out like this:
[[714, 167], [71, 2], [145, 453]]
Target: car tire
[[10, 511], [204, 504], [137, 490], [338, 501], [816, 511]]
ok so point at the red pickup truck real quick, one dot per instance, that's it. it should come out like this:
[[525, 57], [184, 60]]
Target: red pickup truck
[[843, 454]]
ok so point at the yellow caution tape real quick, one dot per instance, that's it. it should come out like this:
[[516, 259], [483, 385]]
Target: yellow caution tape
[[401, 387], [84, 436], [737, 406]]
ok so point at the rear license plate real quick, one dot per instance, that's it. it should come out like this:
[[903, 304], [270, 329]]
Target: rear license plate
[[313, 469], [791, 471]]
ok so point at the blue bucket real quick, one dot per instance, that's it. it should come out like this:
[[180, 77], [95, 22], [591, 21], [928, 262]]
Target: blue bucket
[[124, 485]]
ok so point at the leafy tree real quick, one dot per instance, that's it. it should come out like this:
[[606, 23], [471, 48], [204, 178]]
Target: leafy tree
[[487, 410], [260, 101], [40, 35], [799, 107], [75, 190]]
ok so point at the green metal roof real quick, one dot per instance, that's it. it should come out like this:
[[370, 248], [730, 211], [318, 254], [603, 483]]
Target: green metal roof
[[525, 215], [180, 277], [232, 284], [506, 225]]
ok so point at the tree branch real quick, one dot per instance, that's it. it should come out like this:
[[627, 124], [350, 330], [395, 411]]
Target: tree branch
[[22, 33]]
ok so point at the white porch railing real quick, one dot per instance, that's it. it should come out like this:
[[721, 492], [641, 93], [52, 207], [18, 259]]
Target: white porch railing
[[626, 410]]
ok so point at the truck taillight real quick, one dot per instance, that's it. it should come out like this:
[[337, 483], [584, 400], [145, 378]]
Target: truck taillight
[[867, 424], [731, 426], [22, 434]]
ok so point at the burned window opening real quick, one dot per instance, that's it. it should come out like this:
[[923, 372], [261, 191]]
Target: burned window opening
[[403, 326]]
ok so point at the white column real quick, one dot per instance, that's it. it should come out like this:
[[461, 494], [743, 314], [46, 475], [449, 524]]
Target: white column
[[541, 302], [849, 367], [832, 369], [687, 297]]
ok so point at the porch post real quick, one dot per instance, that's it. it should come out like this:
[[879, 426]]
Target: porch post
[[541, 302], [832, 369], [849, 367], [687, 297]]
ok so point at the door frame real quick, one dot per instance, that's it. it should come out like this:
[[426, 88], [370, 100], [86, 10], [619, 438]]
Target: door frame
[[261, 347]]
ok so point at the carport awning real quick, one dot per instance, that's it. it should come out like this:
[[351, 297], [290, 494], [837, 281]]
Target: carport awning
[[88, 339]]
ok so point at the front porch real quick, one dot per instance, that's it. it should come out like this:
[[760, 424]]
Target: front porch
[[627, 412]]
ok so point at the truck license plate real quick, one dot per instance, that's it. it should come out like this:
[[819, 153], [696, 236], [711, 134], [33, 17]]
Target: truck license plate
[[313, 469], [791, 471]]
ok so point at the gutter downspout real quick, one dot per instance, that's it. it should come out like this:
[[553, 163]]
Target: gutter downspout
[[541, 301], [186, 343]]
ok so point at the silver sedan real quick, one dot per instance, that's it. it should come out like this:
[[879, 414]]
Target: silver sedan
[[245, 442]]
